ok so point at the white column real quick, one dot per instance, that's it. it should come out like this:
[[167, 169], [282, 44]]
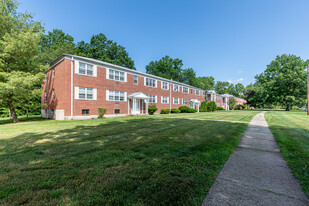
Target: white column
[[198, 108], [143, 106], [146, 112], [128, 106]]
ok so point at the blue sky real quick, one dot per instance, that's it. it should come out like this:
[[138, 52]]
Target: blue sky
[[230, 40]]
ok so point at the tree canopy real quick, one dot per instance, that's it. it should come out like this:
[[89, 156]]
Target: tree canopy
[[104, 49], [283, 83], [20, 67]]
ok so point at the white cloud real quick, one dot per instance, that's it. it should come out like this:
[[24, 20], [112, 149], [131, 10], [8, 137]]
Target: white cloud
[[235, 81]]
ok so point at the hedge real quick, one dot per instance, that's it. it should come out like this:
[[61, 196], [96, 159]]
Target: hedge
[[152, 109], [185, 109], [165, 111], [175, 110]]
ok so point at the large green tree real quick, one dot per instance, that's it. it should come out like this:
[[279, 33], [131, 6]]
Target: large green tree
[[222, 87], [284, 81], [104, 49], [20, 65], [170, 68], [206, 83], [55, 43]]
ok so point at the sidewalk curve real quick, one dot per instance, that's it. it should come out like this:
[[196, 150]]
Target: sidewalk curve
[[256, 173]]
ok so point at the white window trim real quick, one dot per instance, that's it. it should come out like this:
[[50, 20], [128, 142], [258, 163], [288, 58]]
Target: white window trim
[[134, 79], [124, 75], [184, 91], [183, 101], [167, 88], [94, 69], [156, 82], [155, 96], [175, 87], [174, 100], [107, 96], [166, 99], [197, 92], [94, 94]]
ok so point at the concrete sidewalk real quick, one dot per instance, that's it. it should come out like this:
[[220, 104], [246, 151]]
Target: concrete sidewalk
[[256, 173]]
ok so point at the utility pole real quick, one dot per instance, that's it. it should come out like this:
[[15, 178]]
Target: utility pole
[[308, 89]]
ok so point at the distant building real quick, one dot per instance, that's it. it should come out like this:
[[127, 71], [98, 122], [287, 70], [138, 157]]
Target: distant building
[[222, 100]]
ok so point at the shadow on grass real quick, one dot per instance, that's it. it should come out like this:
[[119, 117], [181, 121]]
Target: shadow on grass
[[116, 162], [22, 119]]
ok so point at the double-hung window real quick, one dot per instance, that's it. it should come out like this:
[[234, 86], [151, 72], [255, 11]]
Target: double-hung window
[[150, 82], [191, 91], [197, 92], [116, 75], [85, 69], [152, 98], [176, 100], [54, 72], [164, 100], [45, 97], [135, 79], [185, 101], [165, 85], [185, 90], [85, 93], [176, 88], [203, 93], [116, 96], [53, 95]]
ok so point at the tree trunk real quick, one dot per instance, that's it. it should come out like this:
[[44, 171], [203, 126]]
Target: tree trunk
[[27, 112], [12, 110], [287, 109], [10, 114]]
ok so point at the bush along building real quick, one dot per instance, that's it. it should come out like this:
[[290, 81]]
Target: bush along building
[[76, 87]]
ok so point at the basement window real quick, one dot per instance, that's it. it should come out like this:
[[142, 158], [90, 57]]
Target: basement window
[[85, 112], [117, 111]]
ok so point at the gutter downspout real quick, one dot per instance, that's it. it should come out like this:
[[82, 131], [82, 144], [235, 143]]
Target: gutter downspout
[[72, 89], [170, 96]]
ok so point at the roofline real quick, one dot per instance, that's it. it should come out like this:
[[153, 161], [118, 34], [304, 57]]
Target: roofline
[[109, 65]]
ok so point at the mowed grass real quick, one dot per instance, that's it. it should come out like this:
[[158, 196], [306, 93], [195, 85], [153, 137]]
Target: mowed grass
[[144, 160], [291, 131]]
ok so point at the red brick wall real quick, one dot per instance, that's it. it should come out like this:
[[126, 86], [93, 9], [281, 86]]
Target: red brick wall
[[62, 88]]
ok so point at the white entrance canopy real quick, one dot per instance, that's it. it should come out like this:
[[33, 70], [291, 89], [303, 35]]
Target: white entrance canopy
[[135, 102], [195, 102]]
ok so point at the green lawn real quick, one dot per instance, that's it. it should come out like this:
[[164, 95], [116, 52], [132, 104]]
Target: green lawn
[[143, 160], [291, 131]]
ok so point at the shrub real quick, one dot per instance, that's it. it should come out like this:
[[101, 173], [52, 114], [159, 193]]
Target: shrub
[[165, 111], [220, 108], [175, 110], [185, 109], [152, 109], [101, 112], [203, 107], [211, 106]]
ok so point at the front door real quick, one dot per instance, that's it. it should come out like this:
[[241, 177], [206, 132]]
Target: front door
[[135, 106]]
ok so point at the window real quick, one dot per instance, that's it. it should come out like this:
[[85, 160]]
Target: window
[[53, 95], [185, 89], [176, 100], [152, 98], [164, 85], [116, 75], [164, 100], [184, 101], [176, 88], [117, 111], [197, 92], [116, 96], [45, 97], [85, 93], [85, 69], [53, 72], [85, 112], [150, 82], [135, 79], [191, 91], [203, 93]]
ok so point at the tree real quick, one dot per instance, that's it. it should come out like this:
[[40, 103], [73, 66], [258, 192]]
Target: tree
[[20, 66], [232, 103], [167, 68], [222, 87], [54, 44], [284, 81], [104, 49], [206, 83]]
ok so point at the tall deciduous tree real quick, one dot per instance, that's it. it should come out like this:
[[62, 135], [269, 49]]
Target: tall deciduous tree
[[104, 49], [206, 83], [20, 66], [55, 43], [284, 81], [222, 87]]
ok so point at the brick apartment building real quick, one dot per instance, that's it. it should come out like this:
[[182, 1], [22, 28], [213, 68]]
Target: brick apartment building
[[222, 100], [76, 86]]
